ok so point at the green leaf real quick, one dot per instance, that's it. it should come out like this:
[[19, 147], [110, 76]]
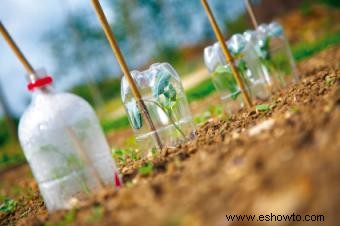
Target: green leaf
[[226, 80], [162, 81], [263, 107], [121, 155], [170, 92], [242, 66], [8, 206], [165, 92], [134, 114], [117, 152], [146, 169], [265, 48]]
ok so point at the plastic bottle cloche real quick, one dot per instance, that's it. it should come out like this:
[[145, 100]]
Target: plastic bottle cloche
[[64, 145]]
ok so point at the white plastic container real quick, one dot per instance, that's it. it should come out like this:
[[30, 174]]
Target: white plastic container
[[64, 146], [249, 67], [275, 54], [163, 94]]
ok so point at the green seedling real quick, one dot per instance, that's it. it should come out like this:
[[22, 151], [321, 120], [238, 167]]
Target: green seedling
[[214, 111], [165, 99], [146, 169], [224, 78], [122, 155], [273, 62], [263, 107], [294, 109], [154, 152], [130, 141], [8, 206], [329, 80], [200, 118]]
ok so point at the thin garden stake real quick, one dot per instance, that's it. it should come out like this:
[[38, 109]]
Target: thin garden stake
[[229, 58], [116, 50], [29, 69], [251, 13]]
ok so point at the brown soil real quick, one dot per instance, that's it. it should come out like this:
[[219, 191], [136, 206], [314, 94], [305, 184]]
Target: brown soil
[[291, 167]]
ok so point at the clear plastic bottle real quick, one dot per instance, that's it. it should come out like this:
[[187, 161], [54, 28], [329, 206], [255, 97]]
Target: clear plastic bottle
[[165, 100], [249, 67], [64, 146], [274, 53]]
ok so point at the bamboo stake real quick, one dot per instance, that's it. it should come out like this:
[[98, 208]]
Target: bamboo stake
[[229, 57], [122, 63], [29, 69], [250, 9]]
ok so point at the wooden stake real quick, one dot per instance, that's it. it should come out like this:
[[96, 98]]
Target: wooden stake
[[229, 57], [251, 13], [29, 69], [116, 50]]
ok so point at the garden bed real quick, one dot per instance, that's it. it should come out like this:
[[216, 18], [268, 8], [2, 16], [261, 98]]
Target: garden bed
[[281, 158]]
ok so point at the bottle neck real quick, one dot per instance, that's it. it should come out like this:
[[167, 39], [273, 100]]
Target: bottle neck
[[42, 91], [40, 85]]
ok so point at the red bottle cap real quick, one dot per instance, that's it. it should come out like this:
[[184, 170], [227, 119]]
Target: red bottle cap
[[118, 182], [41, 82]]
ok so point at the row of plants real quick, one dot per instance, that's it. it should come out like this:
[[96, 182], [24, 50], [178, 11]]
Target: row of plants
[[300, 51], [61, 136]]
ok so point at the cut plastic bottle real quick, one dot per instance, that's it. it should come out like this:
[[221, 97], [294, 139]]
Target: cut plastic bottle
[[275, 54], [166, 103], [249, 67], [64, 146]]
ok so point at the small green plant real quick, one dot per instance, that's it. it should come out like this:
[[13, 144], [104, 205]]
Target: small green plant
[[224, 78], [200, 118], [263, 107], [8, 206], [277, 63], [214, 111], [122, 155], [329, 80], [146, 169], [165, 99]]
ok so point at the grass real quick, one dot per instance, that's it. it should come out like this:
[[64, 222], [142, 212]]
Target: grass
[[202, 90], [305, 50], [119, 123], [11, 154]]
